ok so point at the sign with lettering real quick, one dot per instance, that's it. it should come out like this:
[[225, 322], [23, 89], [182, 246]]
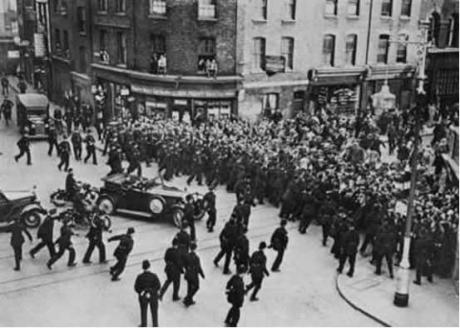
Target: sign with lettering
[[39, 45], [274, 64], [13, 54]]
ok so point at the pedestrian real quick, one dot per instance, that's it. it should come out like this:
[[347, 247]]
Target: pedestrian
[[90, 148], [189, 217], [278, 242], [241, 250], [76, 140], [6, 109], [146, 286], [227, 241], [17, 229], [64, 154], [257, 269], [385, 247], [349, 248], [24, 148], [235, 296], [22, 86], [45, 234], [5, 85], [64, 243], [308, 212], [52, 140], [210, 200], [173, 270], [424, 255], [94, 236], [193, 271], [121, 252]]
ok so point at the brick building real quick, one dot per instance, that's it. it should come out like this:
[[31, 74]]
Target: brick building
[[8, 30]]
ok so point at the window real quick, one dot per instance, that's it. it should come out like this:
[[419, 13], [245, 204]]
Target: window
[[287, 51], [328, 49], [81, 17], [158, 44], [434, 29], [206, 53], [101, 5], [387, 6], [63, 7], [56, 6], [206, 9], [353, 8], [384, 44], [158, 7], [406, 7], [121, 48], [290, 9], [331, 8], [401, 52], [82, 56], [57, 40], [262, 9], [452, 37], [350, 49], [270, 103], [102, 39], [66, 41], [120, 6], [259, 53]]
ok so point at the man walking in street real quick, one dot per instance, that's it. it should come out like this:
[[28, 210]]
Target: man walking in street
[[278, 242], [17, 228], [90, 148], [95, 240], [258, 270], [349, 248], [76, 143], [173, 270], [227, 241], [146, 286], [121, 252], [45, 233], [6, 109], [5, 85], [210, 200], [24, 148], [64, 243], [235, 296], [52, 140], [193, 271], [64, 154]]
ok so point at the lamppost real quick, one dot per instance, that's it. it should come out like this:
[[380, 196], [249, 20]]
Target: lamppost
[[401, 297]]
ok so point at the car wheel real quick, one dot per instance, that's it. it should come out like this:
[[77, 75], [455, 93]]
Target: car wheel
[[92, 197], [31, 219], [178, 217], [106, 205], [107, 222], [156, 205]]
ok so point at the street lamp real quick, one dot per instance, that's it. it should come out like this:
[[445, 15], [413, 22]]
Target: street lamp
[[401, 297]]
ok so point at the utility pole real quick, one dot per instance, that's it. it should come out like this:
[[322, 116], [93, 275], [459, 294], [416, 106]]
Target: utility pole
[[401, 297]]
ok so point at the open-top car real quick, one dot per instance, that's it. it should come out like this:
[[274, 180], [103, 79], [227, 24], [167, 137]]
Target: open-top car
[[21, 204], [145, 197]]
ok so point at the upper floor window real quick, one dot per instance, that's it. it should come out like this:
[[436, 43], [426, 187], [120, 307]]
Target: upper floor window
[[406, 7], [120, 6], [206, 9], [158, 7], [331, 7], [383, 47], [57, 40], [258, 53], [81, 17], [102, 39], [65, 44], [206, 53], [56, 6], [290, 9], [434, 29], [452, 38], [287, 51], [101, 5], [353, 8], [82, 58], [401, 52], [387, 8], [158, 44], [350, 49], [121, 48], [328, 49], [262, 9]]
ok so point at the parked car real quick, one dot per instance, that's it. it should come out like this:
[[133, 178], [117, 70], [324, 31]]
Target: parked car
[[146, 197], [21, 204]]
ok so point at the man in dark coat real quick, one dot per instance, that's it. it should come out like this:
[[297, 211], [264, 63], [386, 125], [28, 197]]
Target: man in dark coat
[[258, 270], [76, 143], [173, 270], [424, 251], [349, 248], [64, 154], [45, 233], [385, 247], [17, 228], [235, 296], [278, 242], [64, 243], [146, 286], [94, 236], [90, 148], [193, 271], [24, 148], [5, 109], [227, 242], [241, 250], [189, 216], [183, 245], [52, 140], [308, 212], [121, 252], [210, 199]]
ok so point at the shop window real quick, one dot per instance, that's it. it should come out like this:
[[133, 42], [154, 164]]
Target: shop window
[[353, 8], [331, 8], [158, 7], [290, 9], [452, 36], [287, 51], [207, 52], [65, 44], [156, 107], [328, 49], [350, 49], [401, 52], [387, 8], [120, 6], [406, 7], [102, 5], [81, 17], [261, 9], [102, 40], [57, 41], [434, 29], [158, 44], [206, 9], [258, 54], [121, 48], [383, 46], [270, 103]]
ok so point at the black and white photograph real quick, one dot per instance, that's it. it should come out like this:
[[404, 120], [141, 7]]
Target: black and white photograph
[[224, 163]]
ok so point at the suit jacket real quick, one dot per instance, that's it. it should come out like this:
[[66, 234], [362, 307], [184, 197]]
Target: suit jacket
[[17, 229], [147, 285]]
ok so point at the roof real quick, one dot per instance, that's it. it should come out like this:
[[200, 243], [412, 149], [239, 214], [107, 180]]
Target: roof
[[33, 100]]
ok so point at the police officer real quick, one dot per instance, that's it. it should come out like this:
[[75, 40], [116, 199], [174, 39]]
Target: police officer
[[90, 148], [24, 148], [173, 270], [64, 154], [193, 271], [94, 236], [17, 228], [258, 270], [349, 248], [385, 246], [227, 241], [76, 143], [134, 160], [278, 242], [241, 250], [121, 252], [210, 201], [52, 140], [424, 253], [64, 243], [45, 233], [189, 216], [6, 107], [146, 286], [235, 296]]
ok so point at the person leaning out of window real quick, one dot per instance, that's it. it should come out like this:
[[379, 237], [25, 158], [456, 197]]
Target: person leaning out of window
[[211, 67]]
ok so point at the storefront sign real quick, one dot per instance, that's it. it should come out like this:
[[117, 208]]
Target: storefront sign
[[274, 64], [13, 54], [39, 45], [180, 102]]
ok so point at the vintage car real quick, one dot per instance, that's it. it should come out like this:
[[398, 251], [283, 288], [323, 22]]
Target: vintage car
[[21, 204], [33, 114], [145, 197]]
